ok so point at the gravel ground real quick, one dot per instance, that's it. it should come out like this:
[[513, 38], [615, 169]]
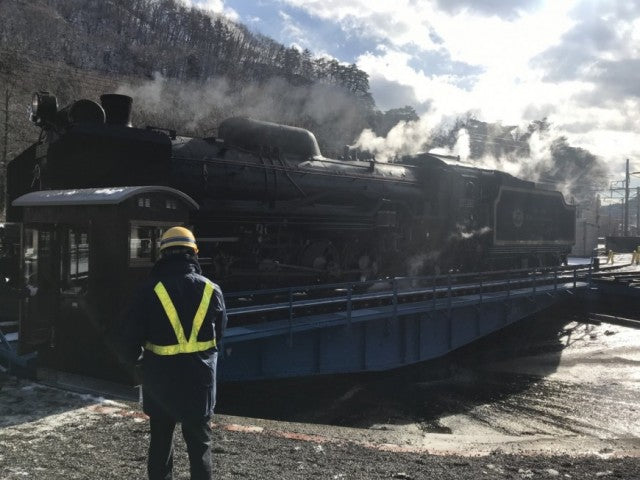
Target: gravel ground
[[562, 401], [47, 433]]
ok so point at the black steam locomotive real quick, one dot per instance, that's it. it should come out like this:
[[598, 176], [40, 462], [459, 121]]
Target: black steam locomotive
[[273, 208]]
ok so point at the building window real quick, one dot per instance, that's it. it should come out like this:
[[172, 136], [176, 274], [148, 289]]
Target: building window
[[74, 260], [144, 243], [30, 249]]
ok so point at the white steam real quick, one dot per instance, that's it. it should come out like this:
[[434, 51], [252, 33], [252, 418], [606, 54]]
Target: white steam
[[197, 108], [461, 149], [406, 138], [419, 263], [187, 107], [466, 235], [515, 151]]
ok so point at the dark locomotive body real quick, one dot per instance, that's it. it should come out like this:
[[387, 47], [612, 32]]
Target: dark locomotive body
[[274, 210]]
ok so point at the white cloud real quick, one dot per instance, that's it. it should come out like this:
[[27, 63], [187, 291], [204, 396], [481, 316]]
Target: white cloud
[[393, 66], [498, 44], [291, 29], [500, 48], [215, 6], [467, 36], [401, 22], [495, 96]]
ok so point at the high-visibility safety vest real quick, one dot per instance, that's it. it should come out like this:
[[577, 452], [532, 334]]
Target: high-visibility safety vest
[[183, 346]]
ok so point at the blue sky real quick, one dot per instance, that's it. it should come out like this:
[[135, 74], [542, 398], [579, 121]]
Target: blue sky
[[289, 24], [576, 62]]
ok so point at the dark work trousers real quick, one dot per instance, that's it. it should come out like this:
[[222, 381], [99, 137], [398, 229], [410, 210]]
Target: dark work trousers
[[197, 436]]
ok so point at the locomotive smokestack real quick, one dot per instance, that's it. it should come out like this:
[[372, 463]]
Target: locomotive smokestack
[[117, 108]]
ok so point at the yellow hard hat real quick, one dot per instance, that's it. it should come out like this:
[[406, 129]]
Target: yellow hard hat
[[178, 237]]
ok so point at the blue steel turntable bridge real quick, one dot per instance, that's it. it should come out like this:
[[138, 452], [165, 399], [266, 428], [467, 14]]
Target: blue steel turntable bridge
[[382, 324]]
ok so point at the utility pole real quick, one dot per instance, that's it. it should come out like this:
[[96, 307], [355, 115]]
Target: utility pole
[[637, 211], [618, 216], [610, 230], [3, 164], [626, 201], [6, 127]]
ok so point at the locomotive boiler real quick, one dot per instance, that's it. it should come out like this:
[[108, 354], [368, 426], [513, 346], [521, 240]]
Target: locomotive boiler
[[274, 210]]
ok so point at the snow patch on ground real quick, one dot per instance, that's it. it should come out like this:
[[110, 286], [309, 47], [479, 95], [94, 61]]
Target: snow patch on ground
[[32, 410]]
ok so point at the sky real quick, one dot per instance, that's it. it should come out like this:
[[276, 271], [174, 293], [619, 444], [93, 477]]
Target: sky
[[575, 62]]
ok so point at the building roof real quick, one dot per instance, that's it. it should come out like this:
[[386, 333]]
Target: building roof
[[94, 196]]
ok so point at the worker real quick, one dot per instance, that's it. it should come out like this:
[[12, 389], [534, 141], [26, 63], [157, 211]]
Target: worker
[[610, 257], [176, 320]]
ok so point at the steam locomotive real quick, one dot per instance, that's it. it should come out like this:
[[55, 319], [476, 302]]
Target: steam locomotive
[[273, 209]]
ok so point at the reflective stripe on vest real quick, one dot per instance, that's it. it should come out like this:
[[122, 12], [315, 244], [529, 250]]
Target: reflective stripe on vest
[[183, 346]]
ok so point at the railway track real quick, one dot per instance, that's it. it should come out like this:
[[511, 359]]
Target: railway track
[[614, 319]]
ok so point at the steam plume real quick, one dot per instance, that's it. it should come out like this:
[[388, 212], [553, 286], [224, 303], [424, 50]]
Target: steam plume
[[197, 108], [536, 152]]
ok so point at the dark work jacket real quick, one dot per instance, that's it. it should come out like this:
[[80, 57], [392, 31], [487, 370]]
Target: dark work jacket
[[181, 386]]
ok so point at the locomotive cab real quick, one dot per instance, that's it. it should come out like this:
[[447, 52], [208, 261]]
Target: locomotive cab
[[83, 253]]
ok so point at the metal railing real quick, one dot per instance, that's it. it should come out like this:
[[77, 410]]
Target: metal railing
[[290, 303]]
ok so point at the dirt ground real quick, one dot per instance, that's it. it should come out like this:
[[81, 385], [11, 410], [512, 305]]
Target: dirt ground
[[550, 398], [48, 433]]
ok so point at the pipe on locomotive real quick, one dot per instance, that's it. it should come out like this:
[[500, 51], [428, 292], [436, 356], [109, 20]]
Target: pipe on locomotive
[[113, 109]]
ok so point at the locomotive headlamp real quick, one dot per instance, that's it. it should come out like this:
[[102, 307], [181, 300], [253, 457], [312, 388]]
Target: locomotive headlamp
[[44, 107]]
